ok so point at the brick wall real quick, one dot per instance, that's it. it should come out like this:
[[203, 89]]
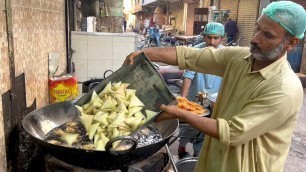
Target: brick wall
[[38, 29]]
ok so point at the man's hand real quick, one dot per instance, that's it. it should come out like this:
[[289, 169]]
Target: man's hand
[[156, 54], [130, 58], [169, 112], [208, 126]]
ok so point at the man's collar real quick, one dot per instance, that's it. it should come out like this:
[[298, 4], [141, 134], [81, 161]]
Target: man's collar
[[270, 70]]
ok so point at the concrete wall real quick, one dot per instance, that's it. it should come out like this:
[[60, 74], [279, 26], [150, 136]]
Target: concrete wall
[[177, 10], [190, 18], [38, 29], [114, 22], [95, 53], [111, 23]]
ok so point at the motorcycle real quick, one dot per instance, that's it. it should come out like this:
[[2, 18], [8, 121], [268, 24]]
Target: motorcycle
[[235, 43], [167, 40], [148, 41], [172, 77], [196, 40]]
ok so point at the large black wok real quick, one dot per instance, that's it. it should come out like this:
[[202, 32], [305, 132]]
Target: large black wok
[[151, 90], [40, 122]]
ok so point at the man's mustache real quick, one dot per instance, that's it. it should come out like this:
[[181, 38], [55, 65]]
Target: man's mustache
[[254, 47], [212, 45]]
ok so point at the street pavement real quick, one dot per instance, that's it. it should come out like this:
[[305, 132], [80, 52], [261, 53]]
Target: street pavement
[[296, 161]]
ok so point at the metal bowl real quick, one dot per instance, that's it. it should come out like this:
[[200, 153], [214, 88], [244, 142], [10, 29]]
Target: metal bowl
[[186, 164]]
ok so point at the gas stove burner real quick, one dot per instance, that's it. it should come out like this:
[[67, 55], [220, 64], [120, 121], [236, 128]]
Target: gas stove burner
[[148, 135]]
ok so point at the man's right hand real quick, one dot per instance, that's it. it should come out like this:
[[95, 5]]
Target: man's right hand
[[169, 112], [130, 58], [165, 55]]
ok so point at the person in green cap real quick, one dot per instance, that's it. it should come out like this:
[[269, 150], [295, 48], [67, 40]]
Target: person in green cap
[[195, 82], [260, 97]]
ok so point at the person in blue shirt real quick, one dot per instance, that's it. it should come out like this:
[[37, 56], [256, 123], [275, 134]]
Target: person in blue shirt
[[154, 32], [193, 83]]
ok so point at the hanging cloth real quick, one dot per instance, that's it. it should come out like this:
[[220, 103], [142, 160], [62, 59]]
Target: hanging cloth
[[104, 10]]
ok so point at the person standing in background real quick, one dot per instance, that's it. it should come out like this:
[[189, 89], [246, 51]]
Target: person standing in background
[[195, 82], [231, 29], [154, 31], [124, 24]]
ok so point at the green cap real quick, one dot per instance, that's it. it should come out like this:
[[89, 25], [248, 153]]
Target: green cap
[[289, 15], [214, 28]]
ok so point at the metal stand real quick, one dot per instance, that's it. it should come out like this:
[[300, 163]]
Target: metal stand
[[171, 158]]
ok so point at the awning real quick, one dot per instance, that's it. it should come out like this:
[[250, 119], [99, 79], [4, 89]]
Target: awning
[[136, 11], [156, 3]]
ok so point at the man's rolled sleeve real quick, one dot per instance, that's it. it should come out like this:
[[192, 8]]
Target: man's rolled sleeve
[[180, 57], [189, 74], [224, 131], [207, 60]]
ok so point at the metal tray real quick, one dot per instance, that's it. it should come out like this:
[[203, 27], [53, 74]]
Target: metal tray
[[208, 112]]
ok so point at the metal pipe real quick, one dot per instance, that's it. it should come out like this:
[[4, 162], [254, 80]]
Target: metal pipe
[[171, 158], [69, 23]]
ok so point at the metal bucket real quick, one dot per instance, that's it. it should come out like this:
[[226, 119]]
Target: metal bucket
[[88, 85], [186, 164], [295, 58]]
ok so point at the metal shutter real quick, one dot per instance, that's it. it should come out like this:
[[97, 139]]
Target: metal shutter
[[247, 16], [231, 5], [301, 2]]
